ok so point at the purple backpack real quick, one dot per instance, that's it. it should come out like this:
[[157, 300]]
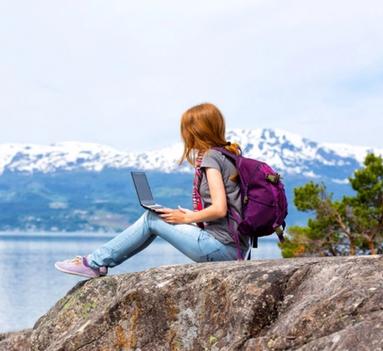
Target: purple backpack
[[264, 202]]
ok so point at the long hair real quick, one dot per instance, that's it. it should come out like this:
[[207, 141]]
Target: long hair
[[203, 127]]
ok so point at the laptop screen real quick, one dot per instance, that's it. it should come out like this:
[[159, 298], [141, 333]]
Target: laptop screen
[[142, 186]]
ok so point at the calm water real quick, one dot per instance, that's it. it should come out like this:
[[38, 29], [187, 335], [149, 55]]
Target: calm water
[[30, 285]]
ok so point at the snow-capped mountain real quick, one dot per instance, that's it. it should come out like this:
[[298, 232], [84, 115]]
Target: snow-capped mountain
[[287, 152], [74, 186]]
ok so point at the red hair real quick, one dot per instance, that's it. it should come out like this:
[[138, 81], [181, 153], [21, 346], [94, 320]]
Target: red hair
[[202, 127]]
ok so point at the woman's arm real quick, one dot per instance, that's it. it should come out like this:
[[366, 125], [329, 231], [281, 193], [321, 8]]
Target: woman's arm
[[217, 209]]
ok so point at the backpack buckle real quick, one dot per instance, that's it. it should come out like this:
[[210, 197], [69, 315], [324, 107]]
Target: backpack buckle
[[273, 178], [279, 231]]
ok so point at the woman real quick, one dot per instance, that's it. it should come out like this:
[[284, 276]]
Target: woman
[[203, 234]]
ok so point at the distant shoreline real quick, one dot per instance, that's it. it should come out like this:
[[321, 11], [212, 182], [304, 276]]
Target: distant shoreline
[[41, 234], [81, 235]]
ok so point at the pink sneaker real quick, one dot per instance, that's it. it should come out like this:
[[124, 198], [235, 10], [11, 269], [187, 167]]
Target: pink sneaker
[[79, 266]]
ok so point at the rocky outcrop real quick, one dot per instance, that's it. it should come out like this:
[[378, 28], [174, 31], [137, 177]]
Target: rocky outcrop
[[19, 341], [291, 304]]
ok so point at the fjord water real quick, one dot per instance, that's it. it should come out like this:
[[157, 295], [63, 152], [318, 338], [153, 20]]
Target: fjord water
[[30, 285]]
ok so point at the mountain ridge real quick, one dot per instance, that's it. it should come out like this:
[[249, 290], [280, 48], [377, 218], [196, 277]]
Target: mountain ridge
[[285, 151], [75, 186]]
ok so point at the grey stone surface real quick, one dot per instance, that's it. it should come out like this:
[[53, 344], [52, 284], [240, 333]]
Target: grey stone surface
[[18, 341], [291, 304]]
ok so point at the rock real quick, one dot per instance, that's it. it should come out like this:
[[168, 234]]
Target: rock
[[292, 304], [18, 341]]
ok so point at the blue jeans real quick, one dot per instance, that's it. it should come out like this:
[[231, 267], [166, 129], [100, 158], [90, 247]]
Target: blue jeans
[[191, 240]]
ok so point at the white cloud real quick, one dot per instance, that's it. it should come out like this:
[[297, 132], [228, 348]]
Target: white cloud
[[102, 70]]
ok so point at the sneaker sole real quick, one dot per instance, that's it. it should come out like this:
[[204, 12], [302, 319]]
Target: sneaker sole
[[74, 273]]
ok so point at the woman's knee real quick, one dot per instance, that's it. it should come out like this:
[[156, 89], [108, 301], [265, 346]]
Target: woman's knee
[[150, 217], [142, 223], [146, 216]]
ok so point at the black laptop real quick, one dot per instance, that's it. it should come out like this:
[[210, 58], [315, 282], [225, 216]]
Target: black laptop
[[143, 191]]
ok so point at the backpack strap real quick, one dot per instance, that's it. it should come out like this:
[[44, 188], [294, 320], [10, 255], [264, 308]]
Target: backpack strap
[[196, 196], [234, 233], [232, 157], [235, 216], [248, 253], [231, 212]]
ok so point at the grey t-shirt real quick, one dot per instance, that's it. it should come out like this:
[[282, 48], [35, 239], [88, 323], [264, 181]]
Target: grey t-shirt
[[219, 227]]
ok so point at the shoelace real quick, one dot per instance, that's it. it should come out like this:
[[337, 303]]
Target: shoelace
[[76, 259], [103, 270]]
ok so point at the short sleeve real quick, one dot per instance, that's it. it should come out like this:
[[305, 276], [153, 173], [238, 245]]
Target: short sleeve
[[212, 158]]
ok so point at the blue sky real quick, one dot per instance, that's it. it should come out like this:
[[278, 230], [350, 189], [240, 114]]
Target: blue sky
[[122, 72]]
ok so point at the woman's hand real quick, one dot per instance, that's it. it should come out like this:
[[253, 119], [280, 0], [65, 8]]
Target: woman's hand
[[175, 216]]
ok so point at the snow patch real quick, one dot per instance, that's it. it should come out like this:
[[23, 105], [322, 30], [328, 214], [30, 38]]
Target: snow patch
[[286, 152]]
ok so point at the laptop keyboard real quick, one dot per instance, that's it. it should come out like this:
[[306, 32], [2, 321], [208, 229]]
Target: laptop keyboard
[[155, 206]]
